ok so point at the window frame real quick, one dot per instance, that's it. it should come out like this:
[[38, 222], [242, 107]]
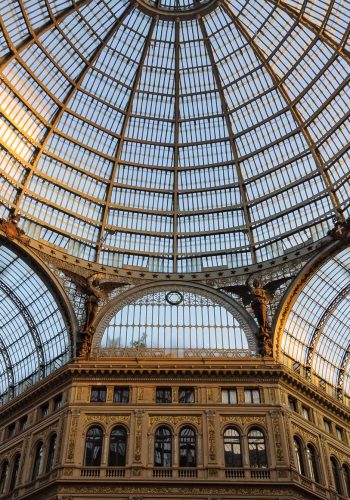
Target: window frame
[[161, 400], [124, 390], [160, 448], [232, 441], [252, 392], [99, 390], [188, 391], [230, 391]]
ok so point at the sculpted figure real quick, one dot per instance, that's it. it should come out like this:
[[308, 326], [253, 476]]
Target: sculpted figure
[[11, 229], [259, 297], [94, 289]]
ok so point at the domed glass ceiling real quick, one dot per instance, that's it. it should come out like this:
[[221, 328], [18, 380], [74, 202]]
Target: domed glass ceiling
[[175, 143]]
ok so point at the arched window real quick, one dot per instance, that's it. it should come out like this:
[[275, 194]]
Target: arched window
[[51, 453], [346, 476], [311, 457], [257, 448], [15, 469], [3, 475], [37, 460], [117, 447], [93, 446], [188, 454], [163, 447], [298, 450], [232, 448], [336, 475]]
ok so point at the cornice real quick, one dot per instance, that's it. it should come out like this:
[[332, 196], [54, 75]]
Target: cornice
[[175, 370]]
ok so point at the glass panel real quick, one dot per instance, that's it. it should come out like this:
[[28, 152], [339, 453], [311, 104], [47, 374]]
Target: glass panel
[[232, 448], [187, 442], [93, 447], [117, 447], [163, 448], [257, 449]]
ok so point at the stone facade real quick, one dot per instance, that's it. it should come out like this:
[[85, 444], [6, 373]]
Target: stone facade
[[62, 405]]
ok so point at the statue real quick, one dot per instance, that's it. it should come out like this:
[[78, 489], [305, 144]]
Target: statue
[[259, 297], [94, 289], [11, 229]]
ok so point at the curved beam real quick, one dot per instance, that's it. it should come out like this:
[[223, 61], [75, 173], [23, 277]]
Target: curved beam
[[52, 282], [242, 188], [291, 294], [9, 367], [320, 31], [320, 327], [64, 105], [28, 318], [293, 109], [147, 43], [34, 36], [247, 323]]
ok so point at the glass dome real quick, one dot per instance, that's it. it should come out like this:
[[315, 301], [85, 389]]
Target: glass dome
[[316, 334], [136, 136]]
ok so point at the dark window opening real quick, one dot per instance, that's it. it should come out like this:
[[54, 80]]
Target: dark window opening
[[187, 445], [121, 395], [186, 395], [232, 448], [98, 394], [163, 395], [93, 447], [117, 447], [163, 448]]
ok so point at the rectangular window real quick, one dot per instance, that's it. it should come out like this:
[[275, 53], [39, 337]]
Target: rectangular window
[[292, 403], [121, 395], [163, 395], [186, 395], [11, 430], [98, 394], [339, 432], [305, 412], [23, 423], [229, 396], [327, 426], [252, 396], [57, 403], [45, 410]]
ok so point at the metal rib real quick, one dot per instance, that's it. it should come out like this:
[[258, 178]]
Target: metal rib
[[15, 50], [68, 98], [318, 30], [101, 238], [242, 188], [293, 109], [28, 318]]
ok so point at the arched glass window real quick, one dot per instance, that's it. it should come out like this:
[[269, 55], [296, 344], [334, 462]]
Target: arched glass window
[[188, 454], [15, 469], [51, 453], [93, 446], [346, 476], [232, 448], [257, 448], [163, 447], [3, 476], [37, 460], [336, 475], [298, 449], [311, 457], [117, 447]]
